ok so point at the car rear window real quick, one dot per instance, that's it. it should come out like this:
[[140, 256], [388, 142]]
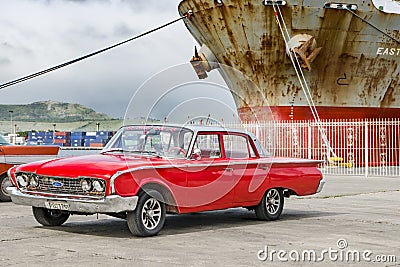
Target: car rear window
[[237, 146]]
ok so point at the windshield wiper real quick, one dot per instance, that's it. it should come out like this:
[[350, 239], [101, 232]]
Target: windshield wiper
[[158, 154], [114, 150]]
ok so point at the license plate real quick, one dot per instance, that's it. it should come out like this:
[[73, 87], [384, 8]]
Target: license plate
[[57, 205]]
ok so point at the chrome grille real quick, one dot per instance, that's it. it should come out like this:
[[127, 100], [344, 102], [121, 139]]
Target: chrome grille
[[69, 186], [64, 186]]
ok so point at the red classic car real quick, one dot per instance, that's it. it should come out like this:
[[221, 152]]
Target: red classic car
[[146, 171], [11, 155]]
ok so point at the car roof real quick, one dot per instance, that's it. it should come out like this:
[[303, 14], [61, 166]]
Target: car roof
[[197, 128], [3, 141]]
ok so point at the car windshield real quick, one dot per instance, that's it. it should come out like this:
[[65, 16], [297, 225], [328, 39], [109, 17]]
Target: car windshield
[[3, 141], [164, 141]]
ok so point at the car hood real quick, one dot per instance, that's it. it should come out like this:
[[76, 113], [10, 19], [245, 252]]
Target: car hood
[[98, 166]]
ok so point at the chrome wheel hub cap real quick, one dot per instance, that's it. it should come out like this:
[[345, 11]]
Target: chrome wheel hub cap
[[273, 201], [151, 213]]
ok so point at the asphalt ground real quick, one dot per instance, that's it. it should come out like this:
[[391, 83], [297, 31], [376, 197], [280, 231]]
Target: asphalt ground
[[354, 221]]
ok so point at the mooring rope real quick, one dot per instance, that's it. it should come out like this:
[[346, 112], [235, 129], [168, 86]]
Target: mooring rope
[[28, 77], [302, 79]]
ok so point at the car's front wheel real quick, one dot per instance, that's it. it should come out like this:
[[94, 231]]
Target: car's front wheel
[[4, 183], [48, 217], [149, 216], [271, 205]]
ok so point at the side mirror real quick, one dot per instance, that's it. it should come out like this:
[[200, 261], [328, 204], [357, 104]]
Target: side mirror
[[196, 154]]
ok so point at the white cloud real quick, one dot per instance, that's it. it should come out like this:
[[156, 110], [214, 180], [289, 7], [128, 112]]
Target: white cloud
[[39, 34]]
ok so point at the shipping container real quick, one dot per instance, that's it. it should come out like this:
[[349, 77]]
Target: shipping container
[[91, 133], [78, 134], [90, 137], [77, 142], [96, 145], [62, 134]]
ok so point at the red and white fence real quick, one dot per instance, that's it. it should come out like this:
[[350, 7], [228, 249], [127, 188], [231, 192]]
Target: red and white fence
[[359, 147]]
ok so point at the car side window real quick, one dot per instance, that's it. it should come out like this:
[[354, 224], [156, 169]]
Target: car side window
[[237, 146], [209, 145]]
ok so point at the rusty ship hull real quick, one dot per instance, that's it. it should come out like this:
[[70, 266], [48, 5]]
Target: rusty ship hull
[[353, 69]]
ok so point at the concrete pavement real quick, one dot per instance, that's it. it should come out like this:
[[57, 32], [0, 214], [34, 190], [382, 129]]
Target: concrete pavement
[[361, 212]]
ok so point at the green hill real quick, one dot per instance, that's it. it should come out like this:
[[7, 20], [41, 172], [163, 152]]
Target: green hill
[[51, 111]]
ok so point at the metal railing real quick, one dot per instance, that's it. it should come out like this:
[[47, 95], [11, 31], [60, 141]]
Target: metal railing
[[357, 147]]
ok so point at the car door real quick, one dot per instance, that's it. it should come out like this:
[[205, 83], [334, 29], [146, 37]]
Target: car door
[[209, 179], [249, 176]]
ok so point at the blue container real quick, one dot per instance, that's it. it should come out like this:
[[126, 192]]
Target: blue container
[[86, 143], [77, 142], [77, 134], [31, 134]]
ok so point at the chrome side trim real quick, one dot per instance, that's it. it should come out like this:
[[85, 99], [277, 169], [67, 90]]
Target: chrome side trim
[[116, 175], [22, 159], [228, 163], [109, 204]]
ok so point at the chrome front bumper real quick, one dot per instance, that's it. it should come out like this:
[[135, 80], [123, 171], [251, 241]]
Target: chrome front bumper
[[109, 204], [321, 185]]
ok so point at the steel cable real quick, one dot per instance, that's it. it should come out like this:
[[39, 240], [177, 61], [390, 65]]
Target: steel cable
[[373, 26]]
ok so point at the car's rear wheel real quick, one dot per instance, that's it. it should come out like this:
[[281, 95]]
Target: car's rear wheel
[[48, 217], [4, 183], [271, 205], [149, 216]]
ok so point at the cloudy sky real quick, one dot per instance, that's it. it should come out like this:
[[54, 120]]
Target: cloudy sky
[[37, 34]]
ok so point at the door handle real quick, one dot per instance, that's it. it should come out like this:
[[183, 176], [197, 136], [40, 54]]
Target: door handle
[[228, 169]]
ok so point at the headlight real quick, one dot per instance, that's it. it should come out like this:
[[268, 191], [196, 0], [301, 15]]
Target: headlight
[[22, 180], [98, 186], [86, 185], [34, 181]]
